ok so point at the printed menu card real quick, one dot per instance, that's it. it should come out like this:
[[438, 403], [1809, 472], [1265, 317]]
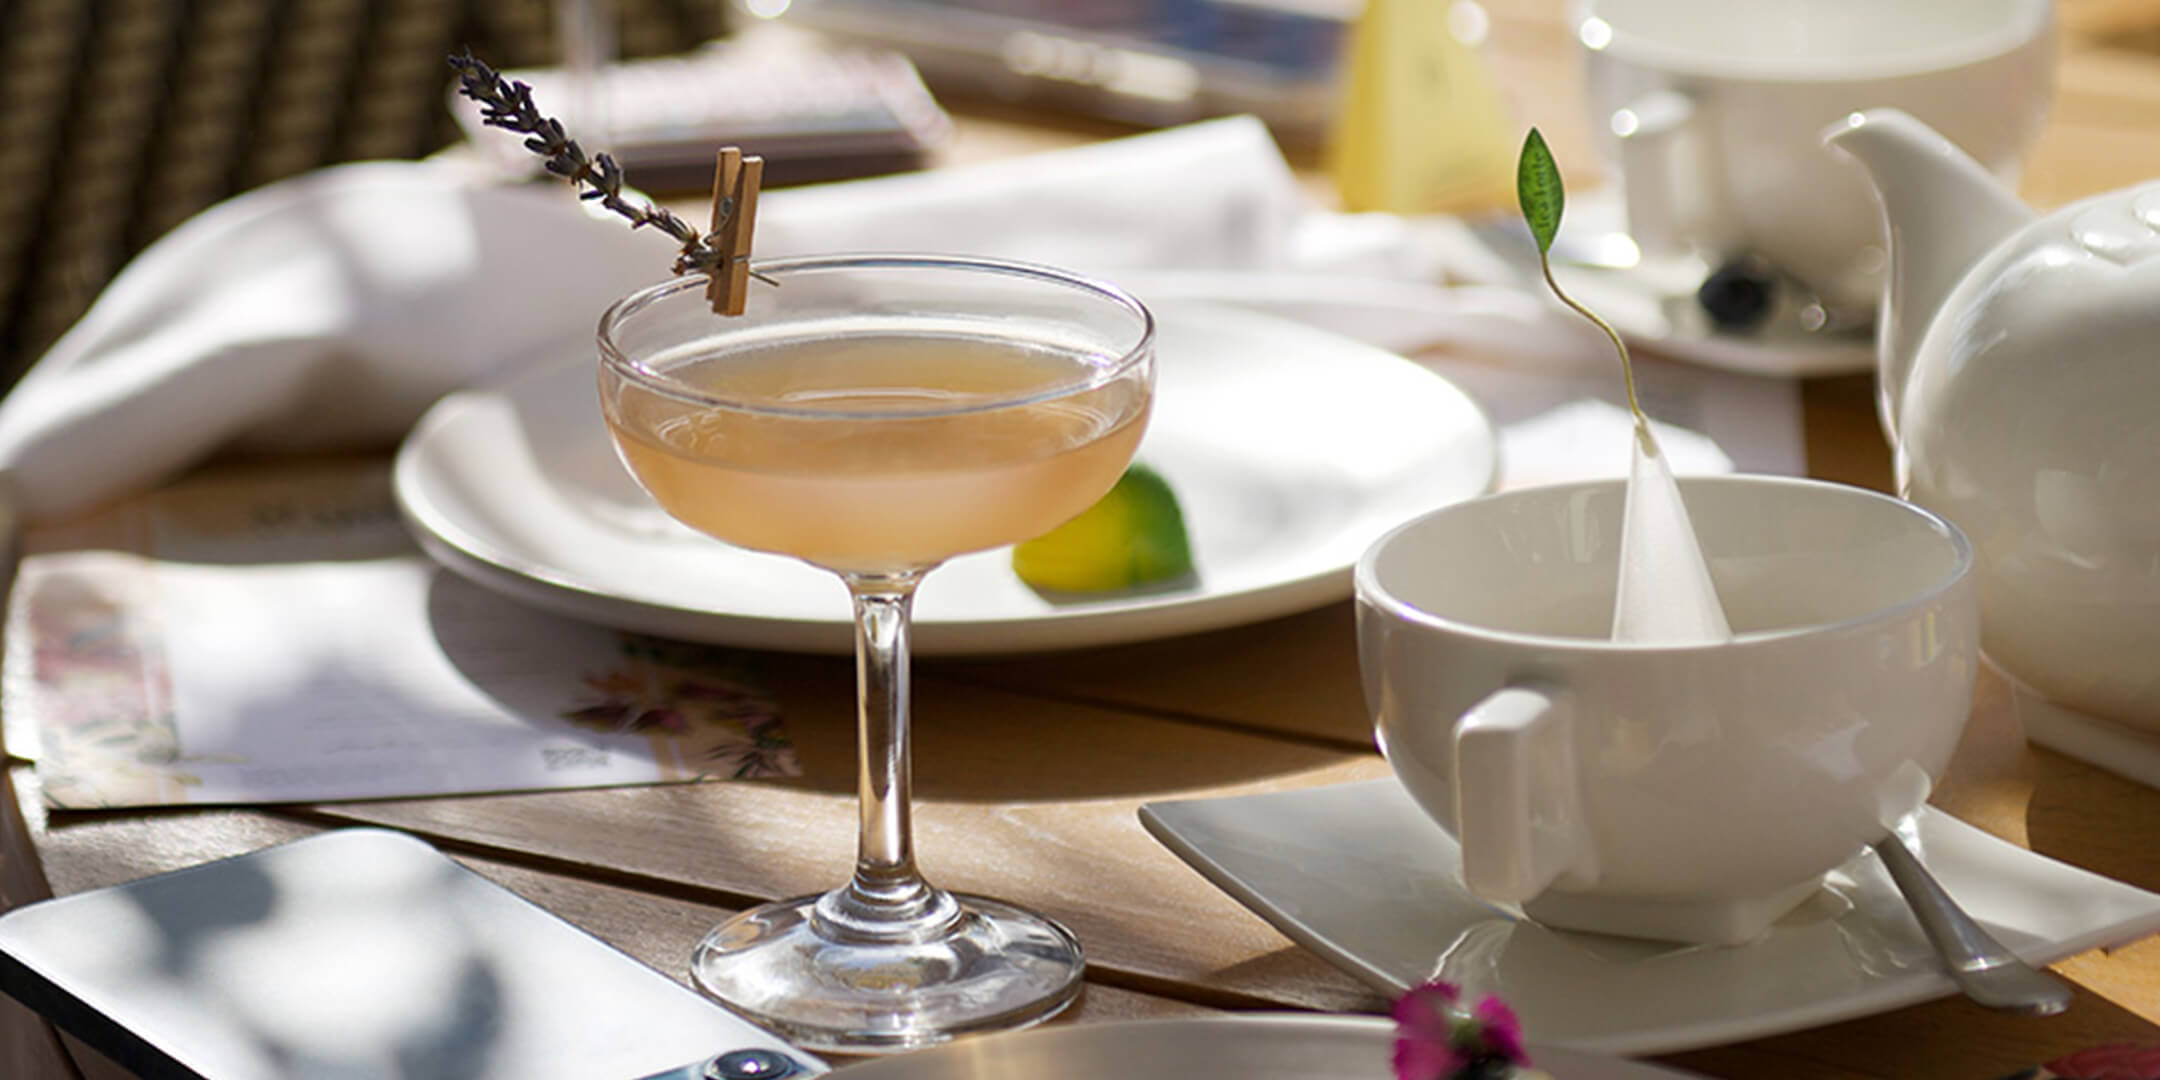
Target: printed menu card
[[269, 633]]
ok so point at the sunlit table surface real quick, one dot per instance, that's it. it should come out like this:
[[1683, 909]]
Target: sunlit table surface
[[1029, 771]]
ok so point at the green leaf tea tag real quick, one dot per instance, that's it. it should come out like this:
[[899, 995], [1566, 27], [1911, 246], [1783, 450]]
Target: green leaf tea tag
[[1538, 190]]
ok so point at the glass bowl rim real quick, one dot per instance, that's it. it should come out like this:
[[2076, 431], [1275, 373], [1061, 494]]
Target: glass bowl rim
[[658, 382]]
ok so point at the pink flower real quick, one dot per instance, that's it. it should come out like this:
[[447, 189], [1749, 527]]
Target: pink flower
[[1425, 1033], [2114, 1062], [1499, 1029], [1435, 1038]]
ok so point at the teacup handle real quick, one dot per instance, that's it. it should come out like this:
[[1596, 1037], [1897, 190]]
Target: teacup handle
[[1661, 168], [1517, 809]]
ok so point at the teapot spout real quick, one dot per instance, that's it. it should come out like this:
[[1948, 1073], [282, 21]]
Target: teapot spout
[[1942, 210]]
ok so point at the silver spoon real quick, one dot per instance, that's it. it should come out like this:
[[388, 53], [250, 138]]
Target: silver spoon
[[1988, 973]]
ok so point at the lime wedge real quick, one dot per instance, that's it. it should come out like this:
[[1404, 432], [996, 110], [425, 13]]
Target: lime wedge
[[1133, 536]]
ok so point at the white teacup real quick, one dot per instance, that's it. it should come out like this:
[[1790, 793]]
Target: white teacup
[[1715, 109], [1689, 793]]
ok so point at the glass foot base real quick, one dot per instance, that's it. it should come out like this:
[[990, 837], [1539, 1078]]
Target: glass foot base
[[1000, 967]]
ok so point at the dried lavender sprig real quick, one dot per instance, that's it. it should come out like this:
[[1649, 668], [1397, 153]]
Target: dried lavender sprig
[[508, 104]]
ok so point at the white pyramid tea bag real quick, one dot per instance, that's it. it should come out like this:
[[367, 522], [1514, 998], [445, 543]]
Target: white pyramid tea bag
[[1665, 595]]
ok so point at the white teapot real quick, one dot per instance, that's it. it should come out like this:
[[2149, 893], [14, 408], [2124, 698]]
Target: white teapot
[[2019, 374]]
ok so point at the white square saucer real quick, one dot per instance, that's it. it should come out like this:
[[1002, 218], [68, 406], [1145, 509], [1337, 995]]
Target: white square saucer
[[1359, 874]]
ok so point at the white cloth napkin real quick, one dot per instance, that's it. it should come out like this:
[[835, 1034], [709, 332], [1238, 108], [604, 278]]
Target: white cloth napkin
[[328, 311], [323, 312], [1208, 195]]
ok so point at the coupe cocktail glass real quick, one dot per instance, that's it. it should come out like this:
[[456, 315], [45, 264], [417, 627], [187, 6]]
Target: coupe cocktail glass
[[875, 415]]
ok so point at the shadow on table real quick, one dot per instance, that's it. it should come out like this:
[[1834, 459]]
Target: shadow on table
[[975, 742], [2094, 819], [1293, 677]]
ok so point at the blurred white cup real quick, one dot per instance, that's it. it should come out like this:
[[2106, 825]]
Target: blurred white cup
[[1711, 112]]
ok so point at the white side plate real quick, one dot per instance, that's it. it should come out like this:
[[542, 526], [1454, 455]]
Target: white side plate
[[1358, 873], [1290, 449], [1265, 1046]]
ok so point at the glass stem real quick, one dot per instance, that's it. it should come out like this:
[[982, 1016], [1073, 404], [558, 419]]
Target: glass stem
[[887, 899]]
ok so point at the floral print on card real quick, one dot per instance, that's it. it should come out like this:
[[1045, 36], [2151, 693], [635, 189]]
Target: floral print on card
[[704, 697], [99, 696]]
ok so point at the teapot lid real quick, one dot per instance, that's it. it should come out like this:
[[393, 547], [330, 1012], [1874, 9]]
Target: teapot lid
[[2122, 227]]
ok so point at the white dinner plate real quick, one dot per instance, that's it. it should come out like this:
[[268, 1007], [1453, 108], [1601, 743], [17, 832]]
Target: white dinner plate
[[1357, 873], [1289, 448], [1264, 1046]]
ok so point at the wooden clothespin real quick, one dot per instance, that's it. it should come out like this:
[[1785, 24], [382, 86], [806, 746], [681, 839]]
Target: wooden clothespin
[[734, 215]]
